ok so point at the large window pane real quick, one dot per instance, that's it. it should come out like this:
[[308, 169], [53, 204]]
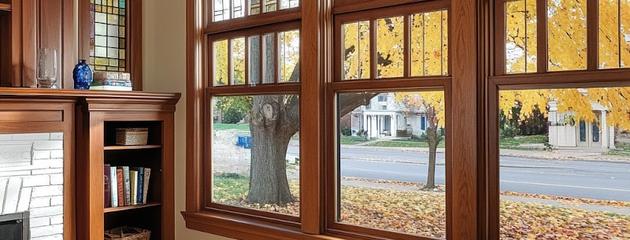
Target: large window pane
[[390, 45], [566, 35], [289, 44], [609, 34], [237, 46], [254, 60], [285, 4], [269, 60], [429, 44], [565, 164], [255, 152], [520, 36], [614, 34], [230, 9], [625, 33], [391, 162], [220, 62], [355, 40]]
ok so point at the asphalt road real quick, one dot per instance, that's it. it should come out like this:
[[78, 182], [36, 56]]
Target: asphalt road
[[585, 179]]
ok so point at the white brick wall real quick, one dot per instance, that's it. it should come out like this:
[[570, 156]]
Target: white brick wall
[[31, 179]]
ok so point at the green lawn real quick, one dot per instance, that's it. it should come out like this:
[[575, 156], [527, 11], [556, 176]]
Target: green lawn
[[622, 149], [229, 187], [515, 142], [226, 126], [352, 140], [404, 143]]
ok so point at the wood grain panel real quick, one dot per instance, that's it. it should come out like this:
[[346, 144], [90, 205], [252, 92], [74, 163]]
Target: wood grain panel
[[464, 110], [31, 116]]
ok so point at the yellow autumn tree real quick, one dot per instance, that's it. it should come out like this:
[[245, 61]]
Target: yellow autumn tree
[[567, 50], [432, 105], [578, 102]]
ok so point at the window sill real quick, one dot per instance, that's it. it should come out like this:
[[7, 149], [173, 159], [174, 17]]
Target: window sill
[[244, 228]]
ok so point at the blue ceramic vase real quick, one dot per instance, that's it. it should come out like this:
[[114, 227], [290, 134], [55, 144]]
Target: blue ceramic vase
[[82, 76]]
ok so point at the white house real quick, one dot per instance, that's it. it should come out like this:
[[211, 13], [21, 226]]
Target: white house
[[383, 117], [564, 131]]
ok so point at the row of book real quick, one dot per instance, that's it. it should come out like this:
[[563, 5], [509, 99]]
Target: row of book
[[126, 186]]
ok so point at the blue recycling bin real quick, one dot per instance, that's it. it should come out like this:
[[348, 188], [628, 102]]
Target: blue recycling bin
[[244, 142]]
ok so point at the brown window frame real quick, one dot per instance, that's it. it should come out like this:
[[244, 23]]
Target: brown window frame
[[291, 88], [592, 39], [134, 38], [499, 80], [317, 94], [375, 84]]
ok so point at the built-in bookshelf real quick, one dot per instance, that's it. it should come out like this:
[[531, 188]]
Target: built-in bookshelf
[[98, 127], [129, 161]]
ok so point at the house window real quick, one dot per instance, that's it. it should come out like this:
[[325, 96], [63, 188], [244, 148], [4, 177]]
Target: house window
[[423, 123], [108, 39], [409, 199], [582, 131]]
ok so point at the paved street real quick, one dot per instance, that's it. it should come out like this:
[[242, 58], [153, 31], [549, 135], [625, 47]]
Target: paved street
[[575, 178]]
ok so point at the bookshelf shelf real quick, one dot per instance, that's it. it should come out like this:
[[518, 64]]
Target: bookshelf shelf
[[5, 7], [127, 208], [121, 148]]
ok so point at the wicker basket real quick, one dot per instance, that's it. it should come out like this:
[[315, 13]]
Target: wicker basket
[[127, 233], [132, 136]]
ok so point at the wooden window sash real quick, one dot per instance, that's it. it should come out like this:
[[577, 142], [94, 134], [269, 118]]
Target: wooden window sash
[[405, 11], [230, 89], [376, 84], [592, 38]]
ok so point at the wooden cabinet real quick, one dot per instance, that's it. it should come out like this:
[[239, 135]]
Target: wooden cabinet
[[27, 25], [90, 120], [101, 118]]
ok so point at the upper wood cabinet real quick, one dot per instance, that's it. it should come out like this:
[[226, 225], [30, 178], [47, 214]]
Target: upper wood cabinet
[[28, 25]]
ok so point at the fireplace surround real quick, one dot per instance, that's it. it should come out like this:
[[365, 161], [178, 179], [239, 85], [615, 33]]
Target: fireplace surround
[[15, 226], [31, 184]]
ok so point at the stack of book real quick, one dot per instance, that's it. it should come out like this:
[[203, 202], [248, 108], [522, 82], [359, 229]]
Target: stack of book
[[115, 81], [126, 186]]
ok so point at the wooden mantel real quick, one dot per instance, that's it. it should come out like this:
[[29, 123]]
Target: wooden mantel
[[87, 119], [68, 93]]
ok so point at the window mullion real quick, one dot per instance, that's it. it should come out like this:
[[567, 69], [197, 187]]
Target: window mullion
[[541, 14], [592, 31]]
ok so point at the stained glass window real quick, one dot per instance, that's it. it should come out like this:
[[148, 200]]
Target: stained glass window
[[108, 39]]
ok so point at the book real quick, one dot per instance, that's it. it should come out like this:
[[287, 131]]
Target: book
[[133, 179], [147, 176], [107, 182], [127, 185], [119, 180], [114, 186], [140, 186]]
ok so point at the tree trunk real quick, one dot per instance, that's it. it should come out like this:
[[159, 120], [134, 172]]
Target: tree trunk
[[433, 139], [273, 121]]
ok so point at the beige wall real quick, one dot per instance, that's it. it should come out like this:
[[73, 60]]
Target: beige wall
[[164, 70]]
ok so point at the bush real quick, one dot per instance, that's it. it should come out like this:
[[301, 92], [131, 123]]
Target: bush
[[232, 116], [346, 132]]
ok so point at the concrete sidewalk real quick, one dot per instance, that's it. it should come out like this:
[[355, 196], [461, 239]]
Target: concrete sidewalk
[[558, 154]]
